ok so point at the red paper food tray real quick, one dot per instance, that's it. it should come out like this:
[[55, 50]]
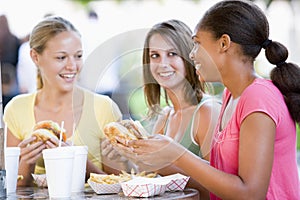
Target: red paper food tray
[[105, 188], [146, 190], [144, 187], [40, 179], [177, 182]]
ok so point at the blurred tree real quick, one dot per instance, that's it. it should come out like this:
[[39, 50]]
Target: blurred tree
[[268, 2], [84, 3]]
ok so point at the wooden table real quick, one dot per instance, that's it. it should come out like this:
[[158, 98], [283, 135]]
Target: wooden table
[[42, 193]]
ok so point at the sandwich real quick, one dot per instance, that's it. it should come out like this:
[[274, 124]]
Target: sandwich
[[125, 130], [44, 130]]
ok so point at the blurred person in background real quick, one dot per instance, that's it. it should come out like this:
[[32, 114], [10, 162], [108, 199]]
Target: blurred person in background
[[9, 47], [26, 69]]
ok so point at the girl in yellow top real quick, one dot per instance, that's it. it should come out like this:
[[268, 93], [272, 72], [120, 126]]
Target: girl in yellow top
[[56, 49]]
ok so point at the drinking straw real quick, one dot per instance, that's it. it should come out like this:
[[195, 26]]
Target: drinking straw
[[73, 133], [60, 135]]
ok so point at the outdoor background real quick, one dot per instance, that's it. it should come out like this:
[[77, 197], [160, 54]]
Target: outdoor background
[[113, 33]]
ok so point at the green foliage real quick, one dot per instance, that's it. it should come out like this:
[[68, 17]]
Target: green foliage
[[84, 3], [137, 102], [138, 106]]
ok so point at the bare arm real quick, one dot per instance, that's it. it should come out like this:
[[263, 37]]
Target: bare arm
[[256, 150], [172, 169], [255, 163], [91, 168], [28, 156]]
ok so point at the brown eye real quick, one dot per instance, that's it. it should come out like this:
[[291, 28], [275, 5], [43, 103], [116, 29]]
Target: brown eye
[[172, 54], [60, 57], [79, 56]]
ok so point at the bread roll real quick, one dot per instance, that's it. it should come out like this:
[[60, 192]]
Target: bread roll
[[44, 130], [126, 130]]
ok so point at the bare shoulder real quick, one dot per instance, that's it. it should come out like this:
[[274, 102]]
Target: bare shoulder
[[209, 107], [206, 118], [161, 120], [164, 113]]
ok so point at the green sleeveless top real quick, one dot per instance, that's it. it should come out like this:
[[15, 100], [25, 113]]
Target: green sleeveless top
[[187, 141]]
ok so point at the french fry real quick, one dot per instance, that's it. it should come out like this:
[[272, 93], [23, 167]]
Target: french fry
[[108, 179], [122, 177], [141, 174], [20, 177], [151, 175]]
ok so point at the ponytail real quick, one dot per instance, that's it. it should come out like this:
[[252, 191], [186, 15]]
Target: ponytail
[[286, 76]]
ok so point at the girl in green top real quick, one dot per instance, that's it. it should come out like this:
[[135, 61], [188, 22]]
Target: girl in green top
[[167, 68], [190, 115]]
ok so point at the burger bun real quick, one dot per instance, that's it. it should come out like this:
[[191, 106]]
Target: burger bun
[[125, 130]]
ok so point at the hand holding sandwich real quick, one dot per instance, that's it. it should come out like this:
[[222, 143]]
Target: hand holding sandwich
[[132, 141], [119, 134], [29, 155], [108, 151], [45, 135], [125, 130], [155, 153], [30, 152]]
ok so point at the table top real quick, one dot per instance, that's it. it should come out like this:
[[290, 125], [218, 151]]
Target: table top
[[42, 193]]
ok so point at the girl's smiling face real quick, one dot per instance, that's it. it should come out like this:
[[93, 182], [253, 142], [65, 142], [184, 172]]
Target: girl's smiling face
[[61, 60], [166, 66], [204, 55]]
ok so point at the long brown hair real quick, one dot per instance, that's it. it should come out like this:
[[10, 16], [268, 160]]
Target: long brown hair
[[179, 35]]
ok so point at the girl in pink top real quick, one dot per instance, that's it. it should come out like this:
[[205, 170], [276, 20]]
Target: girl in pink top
[[254, 147], [263, 97]]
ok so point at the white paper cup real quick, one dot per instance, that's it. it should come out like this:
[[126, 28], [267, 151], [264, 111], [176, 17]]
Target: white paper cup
[[59, 171], [12, 155], [79, 168]]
